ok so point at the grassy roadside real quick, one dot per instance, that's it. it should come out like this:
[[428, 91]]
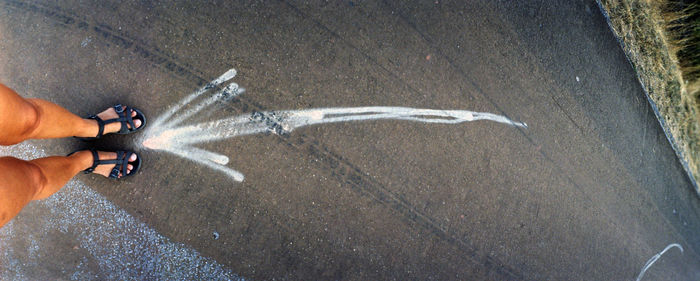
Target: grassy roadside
[[682, 27], [657, 37]]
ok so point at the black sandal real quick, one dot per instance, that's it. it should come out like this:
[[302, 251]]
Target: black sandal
[[121, 162], [125, 118]]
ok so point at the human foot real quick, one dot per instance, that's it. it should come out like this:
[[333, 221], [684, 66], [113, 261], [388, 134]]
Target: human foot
[[114, 164], [117, 119]]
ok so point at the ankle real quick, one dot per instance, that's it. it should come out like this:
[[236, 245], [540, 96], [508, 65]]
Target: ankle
[[88, 128], [82, 159]]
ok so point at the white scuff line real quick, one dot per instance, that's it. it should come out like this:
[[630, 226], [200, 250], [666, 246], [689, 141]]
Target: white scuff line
[[168, 134], [653, 259], [122, 247]]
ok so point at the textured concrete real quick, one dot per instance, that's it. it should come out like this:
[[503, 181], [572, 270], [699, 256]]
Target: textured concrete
[[590, 191]]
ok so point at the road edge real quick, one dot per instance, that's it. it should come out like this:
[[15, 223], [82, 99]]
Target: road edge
[[679, 149]]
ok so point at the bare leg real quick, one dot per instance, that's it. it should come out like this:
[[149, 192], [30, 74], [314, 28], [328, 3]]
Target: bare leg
[[23, 181], [22, 119]]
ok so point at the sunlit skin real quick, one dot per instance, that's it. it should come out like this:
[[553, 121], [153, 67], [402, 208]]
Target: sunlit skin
[[22, 119]]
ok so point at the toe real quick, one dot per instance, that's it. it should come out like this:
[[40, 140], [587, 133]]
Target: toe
[[137, 123], [129, 168], [132, 158]]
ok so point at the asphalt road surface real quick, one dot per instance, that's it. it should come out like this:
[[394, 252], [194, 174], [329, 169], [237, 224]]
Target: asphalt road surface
[[591, 190]]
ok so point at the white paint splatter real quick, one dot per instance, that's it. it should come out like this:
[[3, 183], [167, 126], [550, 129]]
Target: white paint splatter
[[168, 134], [122, 247], [85, 42], [653, 259]]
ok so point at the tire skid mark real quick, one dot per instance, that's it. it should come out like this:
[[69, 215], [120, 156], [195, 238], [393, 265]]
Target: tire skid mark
[[578, 189], [500, 110], [154, 55], [340, 168], [348, 173]]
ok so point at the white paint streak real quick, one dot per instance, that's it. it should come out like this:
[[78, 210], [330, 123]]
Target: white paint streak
[[213, 84], [232, 90], [119, 247], [653, 259], [167, 134]]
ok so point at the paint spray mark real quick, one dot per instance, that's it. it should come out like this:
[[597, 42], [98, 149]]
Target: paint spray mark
[[85, 42], [653, 259], [169, 134]]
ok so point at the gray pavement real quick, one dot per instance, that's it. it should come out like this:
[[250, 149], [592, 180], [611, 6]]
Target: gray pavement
[[589, 191]]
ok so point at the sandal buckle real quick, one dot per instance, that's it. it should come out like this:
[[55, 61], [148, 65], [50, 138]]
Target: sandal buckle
[[119, 108], [114, 173]]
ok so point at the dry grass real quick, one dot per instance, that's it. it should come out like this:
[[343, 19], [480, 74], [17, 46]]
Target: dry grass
[[654, 34], [681, 21]]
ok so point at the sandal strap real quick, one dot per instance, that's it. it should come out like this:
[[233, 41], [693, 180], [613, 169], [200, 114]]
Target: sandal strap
[[100, 125], [95, 162], [125, 118], [125, 163], [120, 163], [130, 120]]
